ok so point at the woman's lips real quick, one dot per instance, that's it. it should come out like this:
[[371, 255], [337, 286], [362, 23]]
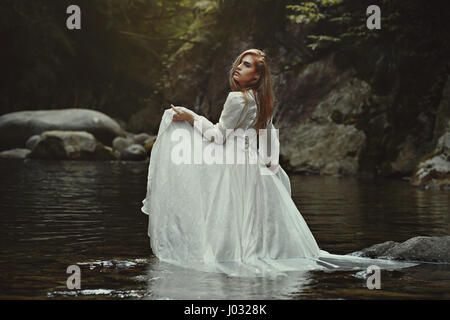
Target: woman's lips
[[236, 72]]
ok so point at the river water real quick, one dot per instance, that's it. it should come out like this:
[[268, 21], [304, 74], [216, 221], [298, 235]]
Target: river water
[[57, 214]]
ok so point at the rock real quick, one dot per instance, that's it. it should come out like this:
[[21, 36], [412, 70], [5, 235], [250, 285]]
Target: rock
[[316, 90], [347, 100], [141, 138], [17, 127], [70, 145], [376, 250], [15, 154], [434, 169], [330, 149], [317, 121], [407, 157], [433, 173], [121, 143], [32, 141], [135, 152], [427, 249], [443, 145]]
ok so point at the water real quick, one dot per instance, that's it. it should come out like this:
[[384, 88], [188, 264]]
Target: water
[[61, 213]]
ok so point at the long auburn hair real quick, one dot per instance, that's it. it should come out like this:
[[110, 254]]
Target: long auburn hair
[[262, 87]]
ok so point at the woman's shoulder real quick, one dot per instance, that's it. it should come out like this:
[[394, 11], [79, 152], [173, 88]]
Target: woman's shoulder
[[238, 96], [234, 94], [234, 98]]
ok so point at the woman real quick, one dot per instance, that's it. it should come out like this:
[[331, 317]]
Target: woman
[[235, 217]]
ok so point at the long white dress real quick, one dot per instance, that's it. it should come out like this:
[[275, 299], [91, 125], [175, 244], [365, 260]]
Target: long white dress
[[236, 218]]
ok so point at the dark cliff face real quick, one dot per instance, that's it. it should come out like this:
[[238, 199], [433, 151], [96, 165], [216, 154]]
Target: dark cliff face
[[340, 111]]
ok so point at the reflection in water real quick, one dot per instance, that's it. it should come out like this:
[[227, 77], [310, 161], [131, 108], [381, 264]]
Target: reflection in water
[[166, 281], [349, 214], [60, 213]]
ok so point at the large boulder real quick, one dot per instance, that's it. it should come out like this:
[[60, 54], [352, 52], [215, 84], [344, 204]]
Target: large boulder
[[427, 249], [329, 149], [70, 145], [17, 127], [318, 130]]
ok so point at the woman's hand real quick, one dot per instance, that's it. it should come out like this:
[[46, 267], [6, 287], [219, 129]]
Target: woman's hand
[[181, 115]]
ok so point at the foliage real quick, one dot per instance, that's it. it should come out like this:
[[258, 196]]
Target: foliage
[[414, 24], [119, 61]]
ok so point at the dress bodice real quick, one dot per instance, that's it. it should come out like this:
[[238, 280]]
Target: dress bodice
[[236, 119], [236, 114], [249, 112]]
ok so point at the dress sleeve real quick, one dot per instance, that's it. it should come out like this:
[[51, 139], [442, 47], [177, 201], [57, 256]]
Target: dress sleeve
[[229, 119]]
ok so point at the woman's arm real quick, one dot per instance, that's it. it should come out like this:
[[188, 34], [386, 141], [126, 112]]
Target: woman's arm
[[181, 115], [228, 121]]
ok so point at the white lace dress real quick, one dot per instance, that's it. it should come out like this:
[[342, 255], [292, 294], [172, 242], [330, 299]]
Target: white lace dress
[[237, 218]]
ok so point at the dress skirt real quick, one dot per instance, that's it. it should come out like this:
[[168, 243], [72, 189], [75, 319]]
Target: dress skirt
[[234, 217]]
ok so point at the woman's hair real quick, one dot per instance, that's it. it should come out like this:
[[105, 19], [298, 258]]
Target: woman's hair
[[262, 87]]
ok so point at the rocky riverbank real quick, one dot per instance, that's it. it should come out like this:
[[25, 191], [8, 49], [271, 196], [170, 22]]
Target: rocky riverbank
[[70, 134]]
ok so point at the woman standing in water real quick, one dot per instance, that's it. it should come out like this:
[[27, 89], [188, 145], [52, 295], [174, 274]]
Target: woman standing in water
[[237, 218]]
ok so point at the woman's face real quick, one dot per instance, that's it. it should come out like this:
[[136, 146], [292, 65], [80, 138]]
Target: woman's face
[[246, 71]]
